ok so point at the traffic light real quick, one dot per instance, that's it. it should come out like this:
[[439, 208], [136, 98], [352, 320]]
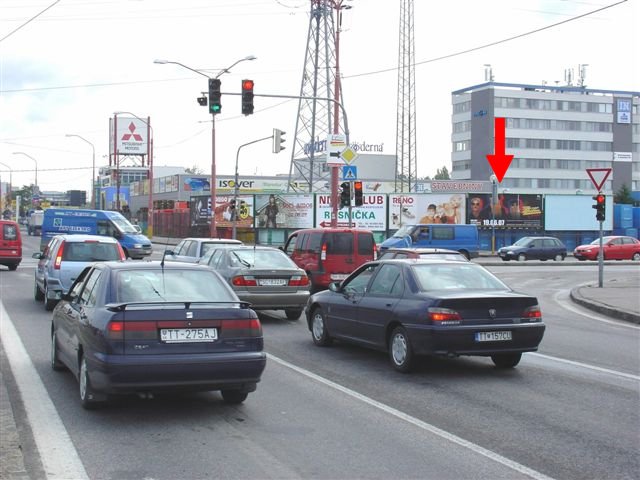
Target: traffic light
[[357, 193], [345, 194], [278, 140], [214, 96], [599, 206], [247, 97]]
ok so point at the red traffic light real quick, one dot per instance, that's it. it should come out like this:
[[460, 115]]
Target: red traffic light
[[600, 198], [247, 84]]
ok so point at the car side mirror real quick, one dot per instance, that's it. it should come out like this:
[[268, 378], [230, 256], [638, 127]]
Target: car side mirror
[[334, 286], [169, 252], [37, 255]]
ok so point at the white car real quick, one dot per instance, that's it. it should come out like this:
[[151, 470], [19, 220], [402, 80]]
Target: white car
[[190, 250]]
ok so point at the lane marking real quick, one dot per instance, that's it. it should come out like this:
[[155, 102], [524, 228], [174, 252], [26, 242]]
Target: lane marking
[[568, 304], [57, 452], [414, 421], [629, 376]]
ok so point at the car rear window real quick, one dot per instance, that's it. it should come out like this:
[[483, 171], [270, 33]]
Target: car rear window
[[340, 243], [90, 251], [365, 244], [9, 232], [251, 258], [456, 276]]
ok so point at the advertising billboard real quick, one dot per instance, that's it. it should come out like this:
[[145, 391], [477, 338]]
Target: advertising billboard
[[575, 212], [284, 211], [408, 209], [371, 215], [509, 211], [225, 212]]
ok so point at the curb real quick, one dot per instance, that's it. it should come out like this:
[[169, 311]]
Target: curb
[[617, 313]]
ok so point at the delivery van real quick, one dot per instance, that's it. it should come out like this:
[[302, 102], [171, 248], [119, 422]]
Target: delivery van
[[95, 222], [463, 238], [10, 244]]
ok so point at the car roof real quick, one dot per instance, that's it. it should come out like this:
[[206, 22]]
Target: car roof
[[68, 237], [152, 265], [423, 250], [214, 240], [257, 247], [332, 230]]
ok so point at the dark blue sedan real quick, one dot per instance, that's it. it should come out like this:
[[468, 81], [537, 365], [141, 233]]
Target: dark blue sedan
[[145, 327], [416, 307]]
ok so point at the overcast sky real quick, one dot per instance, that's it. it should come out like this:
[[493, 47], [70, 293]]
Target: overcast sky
[[69, 69]]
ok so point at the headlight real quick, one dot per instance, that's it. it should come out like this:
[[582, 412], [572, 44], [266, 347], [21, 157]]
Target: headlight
[[137, 245]]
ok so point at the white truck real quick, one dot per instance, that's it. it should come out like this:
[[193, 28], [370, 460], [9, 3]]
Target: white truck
[[34, 223]]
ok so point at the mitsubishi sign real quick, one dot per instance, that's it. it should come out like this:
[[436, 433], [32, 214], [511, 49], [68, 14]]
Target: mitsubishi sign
[[131, 136]]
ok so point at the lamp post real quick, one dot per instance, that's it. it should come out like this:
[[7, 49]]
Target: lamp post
[[494, 197], [10, 186], [93, 167], [213, 230], [36, 162], [150, 136]]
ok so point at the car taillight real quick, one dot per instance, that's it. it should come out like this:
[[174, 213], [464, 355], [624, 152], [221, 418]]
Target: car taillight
[[244, 281], [135, 330], [121, 253], [299, 281], [444, 316], [532, 313], [250, 327], [375, 252], [323, 252], [58, 261]]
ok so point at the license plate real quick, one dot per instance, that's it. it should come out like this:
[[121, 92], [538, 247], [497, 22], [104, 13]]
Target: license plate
[[272, 281], [493, 336], [188, 335], [339, 276]]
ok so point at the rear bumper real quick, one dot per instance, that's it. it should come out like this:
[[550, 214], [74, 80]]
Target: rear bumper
[[139, 252], [273, 301], [115, 374], [460, 340]]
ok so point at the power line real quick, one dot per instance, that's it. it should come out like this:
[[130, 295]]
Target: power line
[[487, 45], [28, 21]]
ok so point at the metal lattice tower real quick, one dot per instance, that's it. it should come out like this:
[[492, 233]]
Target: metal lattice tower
[[406, 161], [316, 117]]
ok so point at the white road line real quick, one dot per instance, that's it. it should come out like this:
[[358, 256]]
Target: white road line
[[587, 366], [567, 303], [414, 421], [59, 457]]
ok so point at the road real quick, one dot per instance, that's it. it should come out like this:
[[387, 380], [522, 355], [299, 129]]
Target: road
[[569, 411]]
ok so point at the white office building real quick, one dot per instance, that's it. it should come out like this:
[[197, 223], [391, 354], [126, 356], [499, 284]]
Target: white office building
[[555, 134]]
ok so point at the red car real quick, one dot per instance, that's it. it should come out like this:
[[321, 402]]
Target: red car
[[615, 248]]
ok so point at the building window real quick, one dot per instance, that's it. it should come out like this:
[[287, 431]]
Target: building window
[[513, 143], [460, 127], [538, 143], [462, 107], [461, 146]]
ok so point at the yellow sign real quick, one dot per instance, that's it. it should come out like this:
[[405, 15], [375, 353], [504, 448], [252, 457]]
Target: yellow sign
[[348, 155]]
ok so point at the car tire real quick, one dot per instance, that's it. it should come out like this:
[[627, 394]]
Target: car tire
[[505, 259], [56, 364], [559, 257], [234, 397], [37, 293], [319, 332], [48, 304], [522, 257], [400, 351], [506, 360], [293, 313], [13, 267], [636, 256], [87, 394]]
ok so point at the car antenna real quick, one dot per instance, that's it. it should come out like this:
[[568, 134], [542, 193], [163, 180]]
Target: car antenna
[[166, 245]]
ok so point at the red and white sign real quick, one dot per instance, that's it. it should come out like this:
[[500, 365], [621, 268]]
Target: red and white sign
[[598, 176], [131, 137]]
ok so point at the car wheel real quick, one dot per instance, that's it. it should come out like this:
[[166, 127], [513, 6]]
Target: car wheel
[[234, 396], [56, 364], [636, 256], [522, 257], [400, 351], [87, 394], [13, 267], [37, 293], [506, 360], [505, 259], [319, 331], [559, 257], [293, 313], [48, 304]]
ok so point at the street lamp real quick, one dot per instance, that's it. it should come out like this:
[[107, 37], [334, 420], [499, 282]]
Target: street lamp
[[150, 175], [93, 165], [10, 186], [213, 230], [37, 190]]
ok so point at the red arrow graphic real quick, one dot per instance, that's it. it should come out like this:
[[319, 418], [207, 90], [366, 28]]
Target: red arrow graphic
[[499, 161]]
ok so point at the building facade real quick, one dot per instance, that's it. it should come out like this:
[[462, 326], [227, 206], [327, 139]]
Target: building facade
[[555, 134]]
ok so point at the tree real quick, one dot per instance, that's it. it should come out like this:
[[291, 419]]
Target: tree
[[195, 170], [442, 174], [623, 195]]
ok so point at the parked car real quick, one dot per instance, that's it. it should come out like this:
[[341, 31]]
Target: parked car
[[534, 248], [463, 238], [427, 307], [263, 276], [440, 253], [614, 248], [192, 249], [64, 258], [330, 254], [147, 327], [10, 244]]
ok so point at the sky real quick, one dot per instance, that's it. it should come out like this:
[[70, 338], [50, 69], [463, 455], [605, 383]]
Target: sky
[[68, 70]]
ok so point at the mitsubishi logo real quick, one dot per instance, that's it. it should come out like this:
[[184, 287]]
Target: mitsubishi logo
[[492, 312], [132, 129], [189, 314]]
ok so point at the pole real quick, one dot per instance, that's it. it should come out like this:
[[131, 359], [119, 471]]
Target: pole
[[150, 175], [237, 181], [494, 192], [213, 232], [600, 260]]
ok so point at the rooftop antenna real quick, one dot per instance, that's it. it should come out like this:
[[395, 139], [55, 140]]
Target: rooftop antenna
[[568, 76], [488, 73], [582, 68]]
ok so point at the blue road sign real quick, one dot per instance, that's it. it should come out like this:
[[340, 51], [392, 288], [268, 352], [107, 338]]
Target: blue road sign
[[349, 172]]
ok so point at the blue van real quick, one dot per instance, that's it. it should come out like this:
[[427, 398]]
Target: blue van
[[95, 222], [463, 238]]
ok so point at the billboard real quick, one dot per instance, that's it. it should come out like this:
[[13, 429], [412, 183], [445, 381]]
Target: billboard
[[284, 211], [575, 212], [509, 211], [200, 211], [407, 209], [371, 215]]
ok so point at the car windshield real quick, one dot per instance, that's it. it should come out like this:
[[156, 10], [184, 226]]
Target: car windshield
[[169, 285], [90, 251], [256, 258], [522, 242], [597, 241], [122, 223], [404, 231], [455, 276]]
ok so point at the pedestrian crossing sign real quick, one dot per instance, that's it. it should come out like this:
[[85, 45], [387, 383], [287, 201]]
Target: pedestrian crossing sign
[[349, 173]]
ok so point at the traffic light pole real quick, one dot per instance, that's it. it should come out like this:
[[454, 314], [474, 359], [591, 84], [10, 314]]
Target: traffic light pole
[[351, 192], [600, 260]]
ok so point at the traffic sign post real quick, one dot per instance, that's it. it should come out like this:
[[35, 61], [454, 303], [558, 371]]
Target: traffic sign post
[[598, 176]]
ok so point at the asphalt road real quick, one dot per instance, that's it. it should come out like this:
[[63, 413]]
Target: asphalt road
[[569, 411]]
